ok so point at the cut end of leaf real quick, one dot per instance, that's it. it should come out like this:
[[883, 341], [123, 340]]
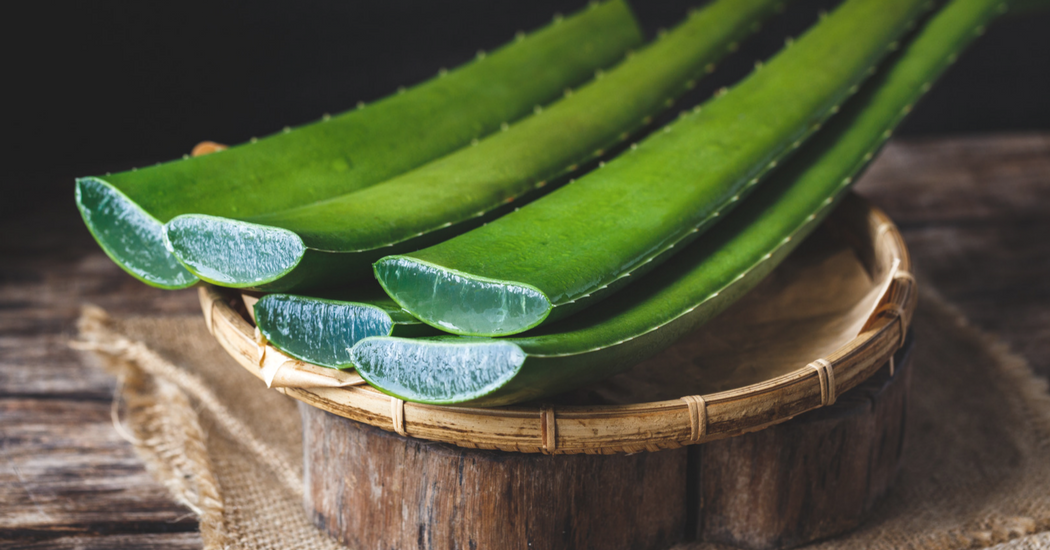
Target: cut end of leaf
[[437, 371], [316, 330], [461, 303], [233, 253], [130, 236]]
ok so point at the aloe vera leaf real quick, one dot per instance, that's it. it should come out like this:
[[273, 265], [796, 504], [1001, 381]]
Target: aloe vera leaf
[[337, 240], [569, 249], [323, 330], [352, 150], [699, 282]]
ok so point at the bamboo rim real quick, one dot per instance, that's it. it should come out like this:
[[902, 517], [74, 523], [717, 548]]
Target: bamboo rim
[[608, 429]]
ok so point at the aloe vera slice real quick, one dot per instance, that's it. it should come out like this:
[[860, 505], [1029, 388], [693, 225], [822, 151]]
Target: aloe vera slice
[[323, 330], [569, 249], [697, 283], [352, 150], [337, 240]]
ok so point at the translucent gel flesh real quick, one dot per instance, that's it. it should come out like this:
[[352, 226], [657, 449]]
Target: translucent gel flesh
[[459, 303], [319, 331], [232, 253], [133, 238], [429, 371]]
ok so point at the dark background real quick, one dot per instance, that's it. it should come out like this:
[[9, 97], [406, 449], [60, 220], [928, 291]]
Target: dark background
[[104, 85]]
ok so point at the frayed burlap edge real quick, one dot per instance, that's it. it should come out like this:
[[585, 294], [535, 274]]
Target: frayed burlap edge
[[162, 404], [162, 424]]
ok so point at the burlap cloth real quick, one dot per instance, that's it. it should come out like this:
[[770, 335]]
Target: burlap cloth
[[976, 467]]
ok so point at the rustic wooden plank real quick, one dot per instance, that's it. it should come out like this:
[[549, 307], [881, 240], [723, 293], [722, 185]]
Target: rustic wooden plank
[[928, 181], [975, 212], [141, 541], [67, 480], [64, 471]]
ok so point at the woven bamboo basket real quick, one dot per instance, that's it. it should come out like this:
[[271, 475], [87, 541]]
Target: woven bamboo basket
[[568, 427]]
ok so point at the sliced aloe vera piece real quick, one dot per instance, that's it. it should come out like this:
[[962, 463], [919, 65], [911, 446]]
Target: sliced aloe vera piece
[[338, 239], [352, 150], [569, 249], [697, 283], [323, 330], [129, 235]]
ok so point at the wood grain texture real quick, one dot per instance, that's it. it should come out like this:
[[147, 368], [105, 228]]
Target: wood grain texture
[[377, 490], [67, 480], [974, 212]]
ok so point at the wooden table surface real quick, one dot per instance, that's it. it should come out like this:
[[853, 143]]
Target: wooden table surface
[[974, 210]]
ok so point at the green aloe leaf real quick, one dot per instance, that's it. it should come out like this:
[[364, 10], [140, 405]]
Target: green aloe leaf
[[350, 151], [697, 283], [323, 330], [571, 248], [337, 240]]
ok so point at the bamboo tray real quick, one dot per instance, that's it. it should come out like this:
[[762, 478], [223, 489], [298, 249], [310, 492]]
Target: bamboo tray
[[571, 425]]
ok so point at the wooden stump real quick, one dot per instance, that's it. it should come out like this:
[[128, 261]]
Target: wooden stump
[[376, 490], [811, 477]]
